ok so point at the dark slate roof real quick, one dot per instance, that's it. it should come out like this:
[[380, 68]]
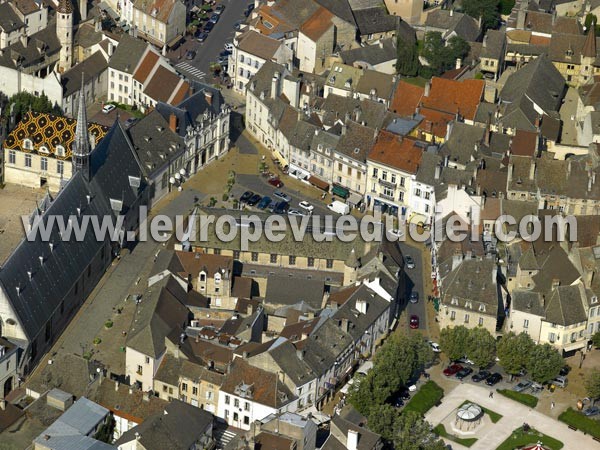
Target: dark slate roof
[[376, 20], [191, 110], [340, 8], [370, 112], [528, 301], [90, 67], [9, 20], [565, 305], [112, 162], [154, 142], [539, 81], [324, 345], [357, 141], [464, 26], [493, 44], [128, 53], [374, 54], [40, 46], [285, 355], [179, 426], [292, 291]]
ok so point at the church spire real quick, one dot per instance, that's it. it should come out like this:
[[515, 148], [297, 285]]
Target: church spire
[[81, 144], [589, 47]]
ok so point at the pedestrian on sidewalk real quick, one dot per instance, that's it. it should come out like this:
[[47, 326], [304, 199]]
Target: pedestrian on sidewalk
[[491, 394], [551, 405]]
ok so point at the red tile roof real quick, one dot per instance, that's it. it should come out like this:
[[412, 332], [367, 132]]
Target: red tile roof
[[317, 24], [406, 98], [453, 96], [435, 122], [397, 152], [145, 67], [524, 143]]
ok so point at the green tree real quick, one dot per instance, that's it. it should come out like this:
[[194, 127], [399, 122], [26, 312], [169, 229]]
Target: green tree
[[440, 55], [23, 101], [454, 341], [413, 433], [506, 6], [382, 420], [544, 363], [592, 384], [488, 10], [407, 63], [514, 351], [596, 339], [481, 346], [590, 20], [361, 395]]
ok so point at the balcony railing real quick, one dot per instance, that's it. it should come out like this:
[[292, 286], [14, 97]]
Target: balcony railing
[[386, 183]]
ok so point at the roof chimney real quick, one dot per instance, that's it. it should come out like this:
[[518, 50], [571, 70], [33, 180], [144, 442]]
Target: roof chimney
[[208, 96], [438, 171], [173, 122], [532, 170], [352, 440], [427, 89]]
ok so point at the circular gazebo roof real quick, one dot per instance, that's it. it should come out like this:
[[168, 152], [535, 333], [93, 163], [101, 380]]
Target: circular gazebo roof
[[469, 412], [537, 446]]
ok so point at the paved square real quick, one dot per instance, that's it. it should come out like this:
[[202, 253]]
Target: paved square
[[514, 415]]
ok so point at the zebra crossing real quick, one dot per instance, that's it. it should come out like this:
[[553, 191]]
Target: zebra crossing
[[223, 437], [190, 71]]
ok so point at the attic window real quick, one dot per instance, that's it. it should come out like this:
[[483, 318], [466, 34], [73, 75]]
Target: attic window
[[348, 83], [454, 301], [481, 308], [116, 205], [268, 24], [594, 300], [134, 182], [357, 150], [60, 150], [44, 149], [147, 138]]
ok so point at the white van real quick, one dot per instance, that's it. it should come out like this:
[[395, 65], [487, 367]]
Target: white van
[[339, 207], [560, 382]]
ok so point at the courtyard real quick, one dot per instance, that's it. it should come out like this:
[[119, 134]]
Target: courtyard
[[501, 424]]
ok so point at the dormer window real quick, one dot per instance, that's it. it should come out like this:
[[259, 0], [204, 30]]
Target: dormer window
[[594, 300], [454, 301], [60, 150], [44, 149], [481, 308], [217, 278], [27, 144]]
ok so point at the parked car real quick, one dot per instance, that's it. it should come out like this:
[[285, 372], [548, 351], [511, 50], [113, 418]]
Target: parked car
[[560, 381], [435, 347], [465, 360], [463, 373], [228, 47], [249, 9], [214, 18], [339, 207], [295, 212], [253, 201], [565, 371], [398, 402], [190, 54], [414, 297], [208, 26], [409, 261], [306, 206], [219, 9], [493, 379], [223, 60], [452, 370], [414, 322], [237, 26], [108, 108], [591, 411], [522, 385], [264, 203], [275, 182], [201, 37], [246, 196], [281, 208], [480, 376], [282, 196]]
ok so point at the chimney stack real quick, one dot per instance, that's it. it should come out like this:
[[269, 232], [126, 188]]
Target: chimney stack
[[438, 171], [352, 440], [208, 96], [275, 85], [173, 122], [427, 89], [532, 170]]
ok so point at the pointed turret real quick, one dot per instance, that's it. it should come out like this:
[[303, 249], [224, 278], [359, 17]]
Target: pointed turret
[[589, 48], [81, 144], [351, 266], [352, 260]]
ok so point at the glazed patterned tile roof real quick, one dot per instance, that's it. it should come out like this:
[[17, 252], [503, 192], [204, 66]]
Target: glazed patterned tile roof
[[49, 131]]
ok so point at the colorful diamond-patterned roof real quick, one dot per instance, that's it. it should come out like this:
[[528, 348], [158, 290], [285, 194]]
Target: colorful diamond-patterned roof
[[49, 131]]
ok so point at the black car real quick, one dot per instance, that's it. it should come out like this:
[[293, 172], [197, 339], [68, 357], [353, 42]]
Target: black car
[[493, 379], [190, 54], [249, 9], [281, 208], [214, 18], [238, 25], [219, 9], [404, 395], [246, 196], [480, 376], [398, 402], [253, 201], [208, 27], [463, 373], [564, 371], [201, 37]]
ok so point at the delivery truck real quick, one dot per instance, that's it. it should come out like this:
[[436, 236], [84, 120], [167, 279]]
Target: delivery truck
[[339, 207]]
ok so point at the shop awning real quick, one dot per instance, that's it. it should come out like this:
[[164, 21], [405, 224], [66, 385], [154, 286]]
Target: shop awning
[[340, 191], [176, 40], [355, 199], [317, 182]]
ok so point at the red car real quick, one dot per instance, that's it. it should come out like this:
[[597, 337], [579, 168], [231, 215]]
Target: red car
[[414, 322], [276, 182], [452, 370]]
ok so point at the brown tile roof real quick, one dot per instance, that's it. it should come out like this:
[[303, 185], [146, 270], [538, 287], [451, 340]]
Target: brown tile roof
[[163, 8], [257, 44], [341, 297], [300, 330], [145, 66], [539, 40], [397, 152], [192, 263], [317, 24], [406, 98], [518, 36], [26, 6], [268, 441], [242, 287], [162, 85], [262, 384], [524, 143], [435, 122], [455, 96]]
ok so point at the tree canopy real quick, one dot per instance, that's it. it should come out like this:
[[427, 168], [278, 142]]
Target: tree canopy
[[441, 56], [514, 351], [454, 341], [544, 363], [481, 347], [413, 433], [488, 10], [23, 101], [407, 63], [592, 384], [596, 339]]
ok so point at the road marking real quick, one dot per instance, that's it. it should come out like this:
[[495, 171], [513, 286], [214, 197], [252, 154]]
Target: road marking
[[186, 67]]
